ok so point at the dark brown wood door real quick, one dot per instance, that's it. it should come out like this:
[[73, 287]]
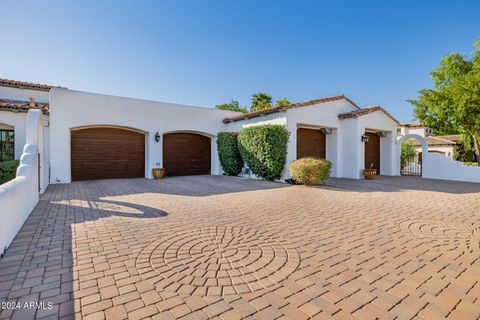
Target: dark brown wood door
[[186, 154], [372, 152], [107, 153], [310, 143]]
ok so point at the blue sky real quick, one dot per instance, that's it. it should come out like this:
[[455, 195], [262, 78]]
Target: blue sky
[[208, 52]]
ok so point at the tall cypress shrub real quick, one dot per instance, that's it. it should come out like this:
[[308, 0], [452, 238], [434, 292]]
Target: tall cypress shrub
[[228, 153], [264, 149]]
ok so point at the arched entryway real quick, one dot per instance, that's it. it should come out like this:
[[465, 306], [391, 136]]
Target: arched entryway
[[410, 162], [186, 153], [104, 152]]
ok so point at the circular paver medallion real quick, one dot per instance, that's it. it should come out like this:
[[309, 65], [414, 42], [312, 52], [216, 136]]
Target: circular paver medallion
[[218, 260], [443, 233]]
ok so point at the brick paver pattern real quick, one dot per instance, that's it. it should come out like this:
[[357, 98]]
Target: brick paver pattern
[[210, 247]]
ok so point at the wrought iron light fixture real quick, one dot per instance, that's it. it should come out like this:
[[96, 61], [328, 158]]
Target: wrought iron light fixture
[[157, 137], [365, 137]]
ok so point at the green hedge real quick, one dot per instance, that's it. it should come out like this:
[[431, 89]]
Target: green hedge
[[310, 170], [264, 149], [472, 164], [8, 170], [230, 159]]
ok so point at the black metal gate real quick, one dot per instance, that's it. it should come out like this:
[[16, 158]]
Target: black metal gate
[[411, 166]]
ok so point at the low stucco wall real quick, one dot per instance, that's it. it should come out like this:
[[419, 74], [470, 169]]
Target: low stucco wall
[[437, 166], [19, 196]]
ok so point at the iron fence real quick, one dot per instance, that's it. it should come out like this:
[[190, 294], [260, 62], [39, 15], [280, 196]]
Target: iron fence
[[411, 166]]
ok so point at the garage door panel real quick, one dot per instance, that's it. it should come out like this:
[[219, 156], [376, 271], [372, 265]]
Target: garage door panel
[[186, 154], [107, 153], [310, 143], [372, 152]]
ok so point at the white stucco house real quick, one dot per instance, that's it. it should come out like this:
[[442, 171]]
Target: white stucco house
[[96, 136]]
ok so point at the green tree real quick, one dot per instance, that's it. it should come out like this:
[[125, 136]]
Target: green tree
[[231, 106], [408, 151], [261, 101], [282, 102], [453, 105]]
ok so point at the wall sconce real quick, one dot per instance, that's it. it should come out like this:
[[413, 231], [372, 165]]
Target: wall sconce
[[326, 130], [365, 137], [157, 137]]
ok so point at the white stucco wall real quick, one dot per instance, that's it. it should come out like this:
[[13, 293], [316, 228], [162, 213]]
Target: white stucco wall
[[437, 166], [350, 148], [19, 196], [447, 150], [376, 122], [322, 115], [73, 109], [23, 94]]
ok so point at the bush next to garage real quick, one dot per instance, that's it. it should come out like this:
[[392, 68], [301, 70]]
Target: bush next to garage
[[228, 152], [310, 170], [8, 170], [264, 149]]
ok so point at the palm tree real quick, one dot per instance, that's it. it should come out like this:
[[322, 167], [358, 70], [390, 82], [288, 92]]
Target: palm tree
[[261, 101], [232, 106], [282, 102]]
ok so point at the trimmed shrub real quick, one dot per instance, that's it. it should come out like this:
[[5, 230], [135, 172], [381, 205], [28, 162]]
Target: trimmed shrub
[[228, 153], [472, 164], [310, 170], [264, 149], [8, 170]]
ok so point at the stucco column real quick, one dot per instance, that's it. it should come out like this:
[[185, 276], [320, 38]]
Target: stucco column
[[332, 151], [216, 167], [291, 149], [153, 152]]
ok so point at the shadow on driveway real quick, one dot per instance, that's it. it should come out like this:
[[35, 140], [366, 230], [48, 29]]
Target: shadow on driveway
[[397, 184]]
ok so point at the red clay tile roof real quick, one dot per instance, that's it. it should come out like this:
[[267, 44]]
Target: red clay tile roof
[[285, 108], [412, 125], [365, 111], [22, 106], [26, 85], [448, 140]]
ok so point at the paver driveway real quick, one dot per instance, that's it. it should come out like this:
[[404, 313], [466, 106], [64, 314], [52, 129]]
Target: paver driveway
[[227, 248]]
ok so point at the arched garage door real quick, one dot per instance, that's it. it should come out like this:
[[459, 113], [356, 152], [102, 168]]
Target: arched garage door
[[186, 154], [107, 153]]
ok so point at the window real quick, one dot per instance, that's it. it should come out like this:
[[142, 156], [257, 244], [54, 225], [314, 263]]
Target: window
[[7, 145]]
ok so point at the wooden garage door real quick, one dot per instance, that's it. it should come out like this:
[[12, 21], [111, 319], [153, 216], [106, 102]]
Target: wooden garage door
[[310, 142], [186, 154], [372, 152], [107, 153]]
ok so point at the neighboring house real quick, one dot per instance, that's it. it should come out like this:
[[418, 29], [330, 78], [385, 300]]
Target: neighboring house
[[413, 128], [96, 136], [16, 98], [440, 144]]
